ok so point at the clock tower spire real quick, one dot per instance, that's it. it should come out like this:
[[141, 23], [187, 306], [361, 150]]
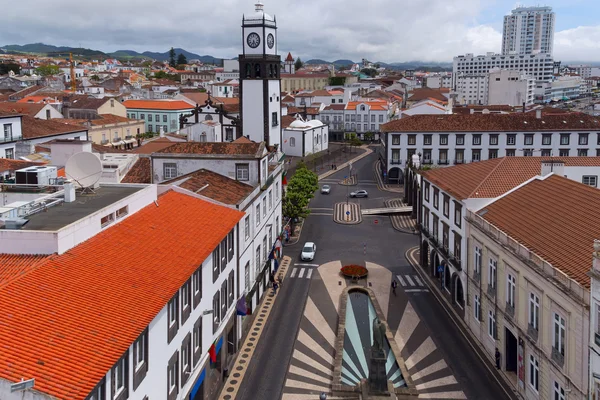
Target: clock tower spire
[[260, 84]]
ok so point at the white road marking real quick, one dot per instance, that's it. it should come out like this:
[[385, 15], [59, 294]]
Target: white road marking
[[309, 273], [407, 326], [305, 265], [401, 280], [446, 380], [410, 280], [301, 274], [438, 366], [416, 290], [418, 281], [294, 272], [423, 351], [443, 395]]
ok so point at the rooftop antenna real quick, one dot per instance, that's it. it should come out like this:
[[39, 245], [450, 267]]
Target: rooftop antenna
[[85, 169]]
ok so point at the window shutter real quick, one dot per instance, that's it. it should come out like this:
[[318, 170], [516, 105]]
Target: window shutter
[[112, 383], [216, 264], [197, 278], [231, 288], [126, 391]]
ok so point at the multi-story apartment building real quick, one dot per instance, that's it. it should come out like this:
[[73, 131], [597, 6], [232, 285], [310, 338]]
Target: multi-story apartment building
[[497, 87], [458, 138], [528, 30], [594, 345], [292, 83], [560, 88], [158, 114], [366, 116], [472, 88], [529, 288], [146, 322], [540, 66], [449, 193]]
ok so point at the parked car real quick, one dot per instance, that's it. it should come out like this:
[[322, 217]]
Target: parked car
[[359, 193], [308, 251], [325, 189]]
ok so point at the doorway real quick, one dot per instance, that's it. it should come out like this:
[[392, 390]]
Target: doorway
[[511, 351]]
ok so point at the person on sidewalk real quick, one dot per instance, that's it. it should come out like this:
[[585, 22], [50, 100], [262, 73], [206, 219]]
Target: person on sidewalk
[[275, 286], [271, 278], [394, 286]]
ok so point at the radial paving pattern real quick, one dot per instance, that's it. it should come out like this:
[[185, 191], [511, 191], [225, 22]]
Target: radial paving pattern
[[311, 367]]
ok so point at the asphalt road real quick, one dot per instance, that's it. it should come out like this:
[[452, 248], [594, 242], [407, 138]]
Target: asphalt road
[[368, 241]]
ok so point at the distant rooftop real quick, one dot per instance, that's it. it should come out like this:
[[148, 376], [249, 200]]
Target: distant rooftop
[[57, 217]]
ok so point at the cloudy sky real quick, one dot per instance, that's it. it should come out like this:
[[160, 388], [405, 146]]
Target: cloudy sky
[[379, 30]]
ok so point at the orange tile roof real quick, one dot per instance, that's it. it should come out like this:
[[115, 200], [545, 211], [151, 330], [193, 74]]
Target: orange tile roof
[[140, 172], [374, 104], [13, 266], [7, 164], [30, 109], [157, 104], [153, 146], [492, 178], [552, 218], [33, 128], [238, 148], [72, 317], [38, 99]]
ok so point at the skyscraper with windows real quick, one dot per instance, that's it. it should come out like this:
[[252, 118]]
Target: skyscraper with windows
[[528, 30]]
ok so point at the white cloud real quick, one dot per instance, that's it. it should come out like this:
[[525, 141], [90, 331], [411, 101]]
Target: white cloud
[[380, 30]]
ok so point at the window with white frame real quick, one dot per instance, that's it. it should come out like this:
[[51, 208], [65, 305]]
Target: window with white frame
[[492, 267], [559, 391], [242, 172], [258, 259], [264, 206], [590, 180], [511, 283], [534, 373], [172, 375], [492, 324], [292, 142], [169, 170], [597, 319], [173, 311], [247, 227], [477, 308], [258, 214], [270, 200], [139, 350], [559, 334], [265, 249], [120, 375], [277, 191], [534, 311]]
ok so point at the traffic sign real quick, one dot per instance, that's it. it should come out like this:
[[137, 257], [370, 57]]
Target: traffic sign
[[376, 221], [440, 269], [345, 176], [347, 212], [385, 174]]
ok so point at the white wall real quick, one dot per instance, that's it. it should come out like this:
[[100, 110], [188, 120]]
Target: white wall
[[274, 95], [252, 104], [225, 167]]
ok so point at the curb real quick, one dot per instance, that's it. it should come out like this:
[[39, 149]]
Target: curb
[[291, 242], [352, 181], [388, 203], [338, 210], [380, 185], [344, 165], [240, 367], [460, 324]]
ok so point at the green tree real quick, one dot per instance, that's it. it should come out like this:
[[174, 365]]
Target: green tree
[[181, 59], [372, 72], [304, 182], [299, 64], [95, 78], [172, 57], [6, 67], [294, 205], [47, 70]]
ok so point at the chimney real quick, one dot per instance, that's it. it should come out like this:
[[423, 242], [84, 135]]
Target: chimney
[[538, 113], [69, 192], [551, 166]]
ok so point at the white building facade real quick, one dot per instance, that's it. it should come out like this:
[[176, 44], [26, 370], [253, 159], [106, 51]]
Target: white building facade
[[513, 88], [302, 138], [528, 30]]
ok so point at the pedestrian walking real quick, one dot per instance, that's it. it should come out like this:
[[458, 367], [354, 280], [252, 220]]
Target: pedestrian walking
[[394, 286], [271, 278], [275, 285], [280, 279]]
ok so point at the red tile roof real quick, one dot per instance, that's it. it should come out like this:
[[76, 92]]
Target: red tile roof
[[158, 104], [519, 122], [492, 178], [153, 146], [337, 107], [13, 266], [140, 172], [13, 165], [425, 93], [30, 109], [249, 149], [552, 218], [289, 57], [213, 185], [33, 128], [68, 321], [375, 105]]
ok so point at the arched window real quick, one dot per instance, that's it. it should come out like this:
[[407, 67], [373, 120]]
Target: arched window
[[248, 70], [362, 108], [293, 142], [257, 71], [208, 117]]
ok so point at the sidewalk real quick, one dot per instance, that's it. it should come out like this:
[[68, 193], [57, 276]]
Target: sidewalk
[[384, 186], [339, 153]]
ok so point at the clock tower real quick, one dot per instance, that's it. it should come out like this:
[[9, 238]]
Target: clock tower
[[260, 85]]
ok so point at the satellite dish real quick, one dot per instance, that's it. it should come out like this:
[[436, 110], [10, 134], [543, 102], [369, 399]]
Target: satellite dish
[[84, 168]]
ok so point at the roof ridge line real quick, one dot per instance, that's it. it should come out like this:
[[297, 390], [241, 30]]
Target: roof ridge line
[[487, 176]]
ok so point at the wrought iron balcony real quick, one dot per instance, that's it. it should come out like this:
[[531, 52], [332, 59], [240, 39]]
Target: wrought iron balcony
[[491, 290], [459, 161], [443, 162], [425, 231], [117, 139], [557, 356], [395, 161], [427, 161], [510, 310], [477, 275], [104, 141], [597, 338], [532, 332]]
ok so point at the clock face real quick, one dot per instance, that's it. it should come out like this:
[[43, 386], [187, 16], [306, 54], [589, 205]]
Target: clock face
[[253, 40], [270, 40]]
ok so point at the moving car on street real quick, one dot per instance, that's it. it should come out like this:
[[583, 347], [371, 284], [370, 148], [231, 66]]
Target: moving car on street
[[325, 189], [359, 193], [308, 251]]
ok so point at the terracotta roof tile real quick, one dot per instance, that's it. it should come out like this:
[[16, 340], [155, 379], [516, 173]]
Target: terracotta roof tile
[[492, 178], [73, 316], [158, 104], [552, 218], [214, 186], [425, 93], [14, 266], [337, 107], [286, 120], [36, 128], [13, 165], [242, 139], [153, 146], [140, 172], [517, 122], [249, 149], [22, 108], [377, 105]]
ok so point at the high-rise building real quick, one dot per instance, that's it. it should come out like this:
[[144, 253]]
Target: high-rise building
[[528, 30]]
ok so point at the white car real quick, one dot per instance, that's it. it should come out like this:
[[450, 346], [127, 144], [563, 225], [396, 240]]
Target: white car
[[359, 193], [325, 189], [308, 251]]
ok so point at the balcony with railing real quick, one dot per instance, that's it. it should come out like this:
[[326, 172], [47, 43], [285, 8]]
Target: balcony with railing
[[532, 332], [509, 309], [117, 139], [557, 356], [459, 161], [443, 161], [395, 161]]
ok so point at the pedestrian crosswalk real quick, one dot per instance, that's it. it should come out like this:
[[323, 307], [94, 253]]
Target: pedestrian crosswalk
[[303, 271], [412, 283]]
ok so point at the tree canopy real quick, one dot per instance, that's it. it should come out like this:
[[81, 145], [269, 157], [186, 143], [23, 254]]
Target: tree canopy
[[172, 55], [47, 70], [300, 190], [181, 59], [299, 64]]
